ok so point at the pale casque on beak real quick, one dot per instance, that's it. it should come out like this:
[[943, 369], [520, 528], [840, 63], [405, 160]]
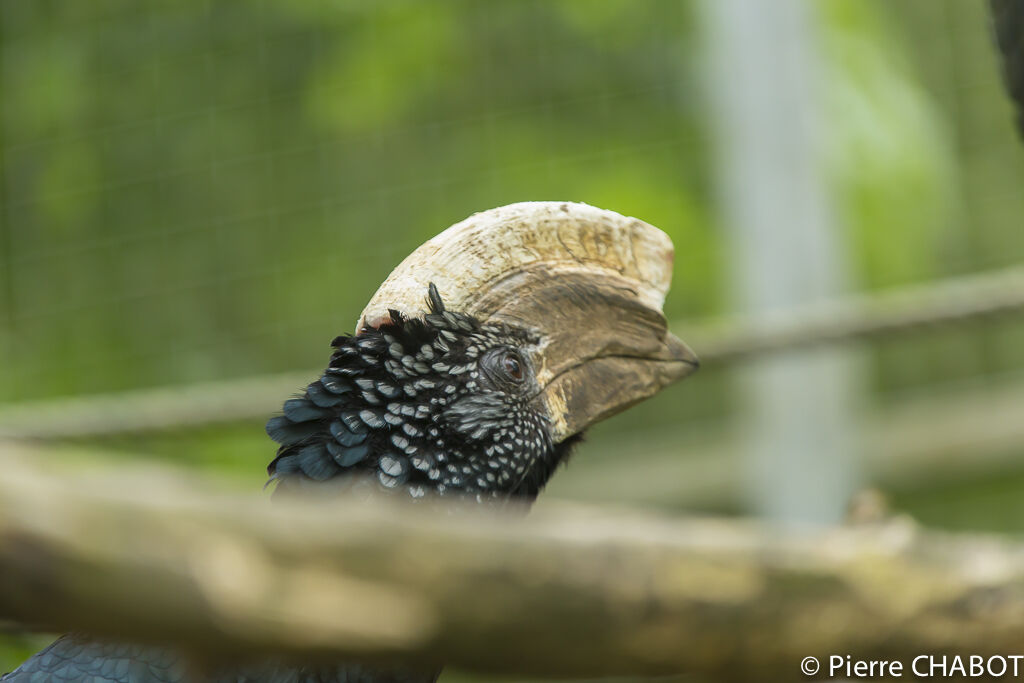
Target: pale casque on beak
[[590, 283]]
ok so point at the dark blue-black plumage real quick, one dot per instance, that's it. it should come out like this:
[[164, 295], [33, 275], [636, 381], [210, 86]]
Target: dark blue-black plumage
[[438, 405], [78, 658], [444, 405]]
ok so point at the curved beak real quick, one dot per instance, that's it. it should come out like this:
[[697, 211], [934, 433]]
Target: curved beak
[[588, 282], [602, 349], [601, 386]]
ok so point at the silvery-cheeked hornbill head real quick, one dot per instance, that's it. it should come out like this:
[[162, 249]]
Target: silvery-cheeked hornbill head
[[487, 351]]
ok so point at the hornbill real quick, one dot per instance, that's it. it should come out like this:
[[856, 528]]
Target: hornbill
[[476, 366]]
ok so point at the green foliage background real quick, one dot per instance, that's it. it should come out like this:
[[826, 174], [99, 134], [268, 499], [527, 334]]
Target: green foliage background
[[201, 190]]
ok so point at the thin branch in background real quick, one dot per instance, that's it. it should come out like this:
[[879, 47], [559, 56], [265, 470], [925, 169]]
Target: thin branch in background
[[904, 311]]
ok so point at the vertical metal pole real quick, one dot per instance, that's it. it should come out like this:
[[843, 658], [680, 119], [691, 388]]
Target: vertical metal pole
[[784, 250]]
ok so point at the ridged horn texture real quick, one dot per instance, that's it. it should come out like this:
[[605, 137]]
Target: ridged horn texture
[[589, 282], [478, 263]]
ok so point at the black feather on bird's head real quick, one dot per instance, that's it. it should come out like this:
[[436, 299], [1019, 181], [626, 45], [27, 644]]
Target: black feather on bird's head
[[439, 404], [553, 322]]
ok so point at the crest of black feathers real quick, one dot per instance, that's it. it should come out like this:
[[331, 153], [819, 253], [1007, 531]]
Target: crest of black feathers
[[443, 404]]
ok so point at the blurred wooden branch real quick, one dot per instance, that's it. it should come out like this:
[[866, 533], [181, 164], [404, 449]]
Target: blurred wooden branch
[[570, 592], [146, 410], [961, 430], [908, 310], [917, 441]]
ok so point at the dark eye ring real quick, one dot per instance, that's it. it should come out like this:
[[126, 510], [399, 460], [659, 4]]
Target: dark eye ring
[[512, 366]]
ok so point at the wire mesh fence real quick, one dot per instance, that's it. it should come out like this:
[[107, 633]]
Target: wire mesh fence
[[205, 193]]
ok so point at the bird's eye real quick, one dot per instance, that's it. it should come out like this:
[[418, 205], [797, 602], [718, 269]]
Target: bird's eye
[[512, 366], [505, 367]]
